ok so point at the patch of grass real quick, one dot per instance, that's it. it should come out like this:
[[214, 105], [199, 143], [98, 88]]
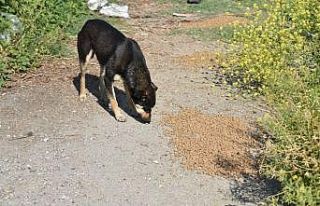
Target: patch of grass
[[209, 7], [48, 27], [224, 33]]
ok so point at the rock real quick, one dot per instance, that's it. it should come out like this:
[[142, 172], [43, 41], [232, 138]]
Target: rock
[[115, 10], [15, 26], [107, 9], [95, 5]]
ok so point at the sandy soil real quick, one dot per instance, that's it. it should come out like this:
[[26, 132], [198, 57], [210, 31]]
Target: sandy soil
[[55, 150]]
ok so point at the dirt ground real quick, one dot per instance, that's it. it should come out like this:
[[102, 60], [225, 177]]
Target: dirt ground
[[56, 150]]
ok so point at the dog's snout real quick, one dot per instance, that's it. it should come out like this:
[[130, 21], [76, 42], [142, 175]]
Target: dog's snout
[[146, 116]]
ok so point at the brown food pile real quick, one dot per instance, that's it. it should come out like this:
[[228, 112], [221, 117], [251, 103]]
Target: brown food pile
[[203, 58], [215, 145], [216, 21]]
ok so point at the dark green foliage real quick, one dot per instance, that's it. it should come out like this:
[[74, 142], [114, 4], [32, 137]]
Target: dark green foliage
[[45, 23]]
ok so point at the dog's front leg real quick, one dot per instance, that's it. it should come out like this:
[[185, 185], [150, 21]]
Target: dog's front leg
[[130, 102], [102, 86], [113, 101]]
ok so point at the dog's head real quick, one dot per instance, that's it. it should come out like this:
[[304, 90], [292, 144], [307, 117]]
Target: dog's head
[[143, 91], [145, 100]]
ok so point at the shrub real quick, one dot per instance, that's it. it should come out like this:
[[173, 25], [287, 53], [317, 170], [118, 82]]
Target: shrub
[[278, 56], [44, 25]]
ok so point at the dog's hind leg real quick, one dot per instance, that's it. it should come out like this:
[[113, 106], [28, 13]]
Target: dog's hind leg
[[83, 71], [85, 53]]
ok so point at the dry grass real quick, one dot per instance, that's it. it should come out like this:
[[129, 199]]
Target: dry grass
[[217, 21], [198, 59]]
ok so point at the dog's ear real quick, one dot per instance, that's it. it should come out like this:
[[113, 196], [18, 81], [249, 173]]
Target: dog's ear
[[154, 86], [130, 82], [130, 79]]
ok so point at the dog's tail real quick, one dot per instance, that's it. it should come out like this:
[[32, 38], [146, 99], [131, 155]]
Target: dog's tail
[[84, 46]]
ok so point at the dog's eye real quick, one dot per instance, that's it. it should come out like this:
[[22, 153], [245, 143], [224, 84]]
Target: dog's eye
[[144, 98]]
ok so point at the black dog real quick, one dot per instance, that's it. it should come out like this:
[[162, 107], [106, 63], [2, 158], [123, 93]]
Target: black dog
[[117, 55]]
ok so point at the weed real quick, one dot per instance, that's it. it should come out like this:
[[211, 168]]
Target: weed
[[278, 56], [48, 26], [44, 23]]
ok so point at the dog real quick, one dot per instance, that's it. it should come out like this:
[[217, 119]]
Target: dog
[[117, 55]]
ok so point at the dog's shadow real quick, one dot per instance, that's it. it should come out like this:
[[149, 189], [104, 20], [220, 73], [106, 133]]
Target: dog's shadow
[[92, 85]]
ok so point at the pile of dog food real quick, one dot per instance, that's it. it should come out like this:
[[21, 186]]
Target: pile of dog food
[[215, 145]]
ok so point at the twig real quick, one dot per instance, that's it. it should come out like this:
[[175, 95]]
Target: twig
[[261, 109], [182, 15], [153, 27], [30, 134]]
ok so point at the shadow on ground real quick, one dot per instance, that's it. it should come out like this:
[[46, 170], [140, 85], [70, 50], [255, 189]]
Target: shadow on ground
[[253, 189], [92, 85]]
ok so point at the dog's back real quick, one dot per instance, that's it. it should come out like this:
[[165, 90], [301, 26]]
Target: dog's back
[[99, 36]]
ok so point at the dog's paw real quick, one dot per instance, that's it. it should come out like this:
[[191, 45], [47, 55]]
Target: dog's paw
[[120, 118], [82, 97]]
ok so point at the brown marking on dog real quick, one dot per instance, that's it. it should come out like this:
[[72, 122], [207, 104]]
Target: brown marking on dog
[[82, 93], [117, 113]]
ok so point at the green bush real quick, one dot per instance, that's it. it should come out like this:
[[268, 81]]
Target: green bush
[[279, 56], [44, 26]]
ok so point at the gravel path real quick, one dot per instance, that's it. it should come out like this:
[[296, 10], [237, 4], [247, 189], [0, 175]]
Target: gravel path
[[55, 150]]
